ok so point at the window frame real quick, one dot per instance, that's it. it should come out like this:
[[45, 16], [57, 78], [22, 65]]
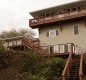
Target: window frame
[[53, 49], [74, 29], [48, 33]]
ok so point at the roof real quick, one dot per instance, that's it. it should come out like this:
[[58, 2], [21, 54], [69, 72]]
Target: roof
[[57, 8], [13, 38]]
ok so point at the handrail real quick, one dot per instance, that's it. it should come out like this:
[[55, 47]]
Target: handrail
[[81, 67], [41, 50], [66, 66], [36, 47]]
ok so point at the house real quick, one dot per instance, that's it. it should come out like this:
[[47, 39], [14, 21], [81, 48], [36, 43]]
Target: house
[[18, 43], [61, 24], [13, 42]]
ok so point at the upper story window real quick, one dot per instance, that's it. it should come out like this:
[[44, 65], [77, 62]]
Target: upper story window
[[73, 9], [76, 29], [52, 33], [47, 17], [13, 43]]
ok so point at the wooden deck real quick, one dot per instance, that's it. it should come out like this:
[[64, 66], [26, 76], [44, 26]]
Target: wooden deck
[[56, 54], [28, 44], [38, 22]]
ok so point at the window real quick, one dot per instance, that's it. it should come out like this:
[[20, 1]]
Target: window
[[13, 43], [76, 29], [53, 49], [66, 48], [52, 33], [73, 9], [47, 34]]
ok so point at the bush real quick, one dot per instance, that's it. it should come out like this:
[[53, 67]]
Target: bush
[[2, 51], [30, 66], [32, 63], [53, 69], [42, 68]]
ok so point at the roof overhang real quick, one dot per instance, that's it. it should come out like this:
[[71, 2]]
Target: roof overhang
[[13, 38], [36, 14]]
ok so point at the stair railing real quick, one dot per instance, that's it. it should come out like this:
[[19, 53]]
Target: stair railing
[[81, 66], [34, 46], [66, 68]]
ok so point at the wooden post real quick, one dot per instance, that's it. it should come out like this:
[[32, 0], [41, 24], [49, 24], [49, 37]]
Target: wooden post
[[59, 47], [74, 48], [60, 26], [24, 48], [63, 77], [85, 21]]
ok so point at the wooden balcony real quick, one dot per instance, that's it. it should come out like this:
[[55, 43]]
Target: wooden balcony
[[36, 23], [60, 50]]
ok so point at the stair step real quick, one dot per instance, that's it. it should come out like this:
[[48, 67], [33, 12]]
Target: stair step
[[73, 71], [73, 74], [75, 62], [71, 78], [73, 68]]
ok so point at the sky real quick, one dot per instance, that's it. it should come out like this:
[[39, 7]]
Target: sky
[[15, 13]]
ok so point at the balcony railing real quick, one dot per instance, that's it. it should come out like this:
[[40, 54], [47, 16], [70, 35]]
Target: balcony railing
[[57, 17]]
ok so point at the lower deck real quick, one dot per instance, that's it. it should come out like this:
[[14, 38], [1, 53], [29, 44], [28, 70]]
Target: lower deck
[[59, 50], [56, 54]]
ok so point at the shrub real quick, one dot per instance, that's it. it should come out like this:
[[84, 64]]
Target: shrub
[[54, 68], [30, 66]]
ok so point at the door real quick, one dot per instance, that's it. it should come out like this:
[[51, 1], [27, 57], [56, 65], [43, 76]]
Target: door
[[66, 48], [51, 49]]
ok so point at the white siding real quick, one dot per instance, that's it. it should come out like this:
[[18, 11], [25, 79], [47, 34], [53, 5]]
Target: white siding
[[66, 35]]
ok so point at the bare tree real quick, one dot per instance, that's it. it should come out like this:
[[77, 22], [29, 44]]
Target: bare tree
[[15, 33]]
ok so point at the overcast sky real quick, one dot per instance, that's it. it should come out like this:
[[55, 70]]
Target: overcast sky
[[15, 13]]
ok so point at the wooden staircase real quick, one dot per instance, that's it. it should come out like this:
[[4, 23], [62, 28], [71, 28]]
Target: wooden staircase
[[74, 68], [34, 46]]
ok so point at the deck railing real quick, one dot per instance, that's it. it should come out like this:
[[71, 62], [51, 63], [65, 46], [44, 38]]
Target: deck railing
[[57, 17], [44, 50], [34, 46], [60, 48]]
